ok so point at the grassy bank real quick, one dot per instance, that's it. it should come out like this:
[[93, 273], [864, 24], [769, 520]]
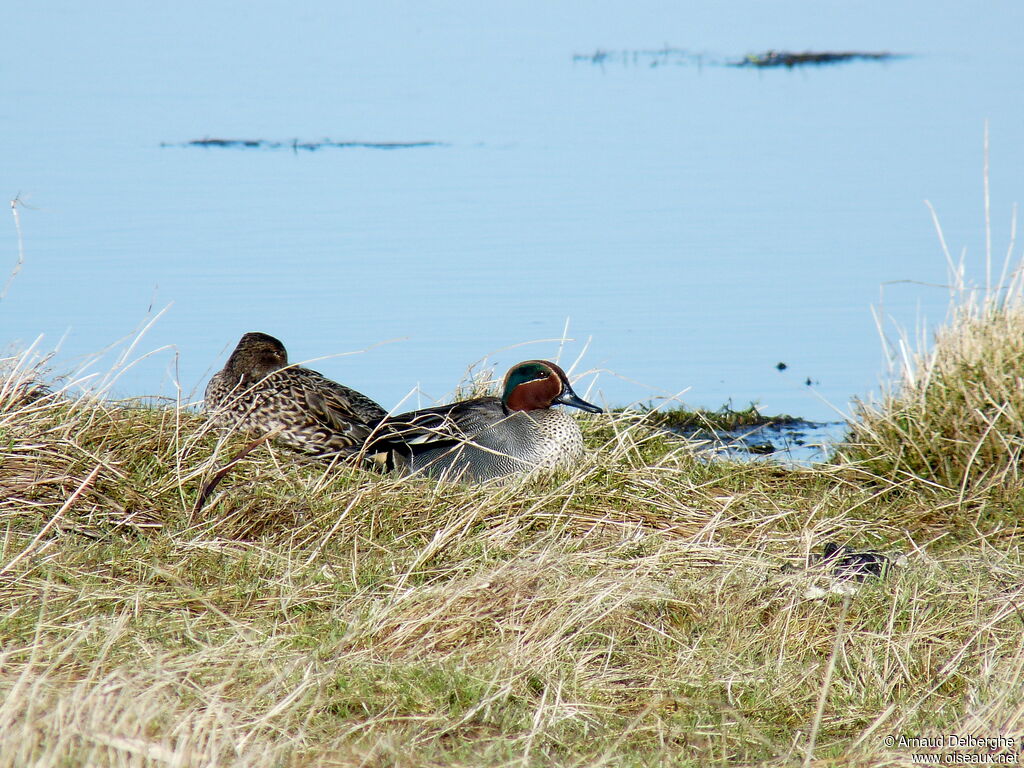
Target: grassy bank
[[956, 420], [639, 612]]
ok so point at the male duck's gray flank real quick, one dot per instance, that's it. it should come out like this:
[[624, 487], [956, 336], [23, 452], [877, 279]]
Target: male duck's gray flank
[[257, 391], [491, 437]]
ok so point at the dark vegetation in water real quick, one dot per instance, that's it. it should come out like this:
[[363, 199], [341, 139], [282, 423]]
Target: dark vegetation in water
[[308, 146], [670, 56], [725, 418], [789, 60]]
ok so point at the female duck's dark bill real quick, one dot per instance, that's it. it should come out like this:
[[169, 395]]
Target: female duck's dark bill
[[568, 397]]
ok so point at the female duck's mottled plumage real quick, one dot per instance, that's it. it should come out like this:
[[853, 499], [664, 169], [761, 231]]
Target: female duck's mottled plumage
[[258, 391], [490, 437]]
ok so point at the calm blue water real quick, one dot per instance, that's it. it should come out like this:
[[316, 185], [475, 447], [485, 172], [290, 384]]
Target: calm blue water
[[695, 225]]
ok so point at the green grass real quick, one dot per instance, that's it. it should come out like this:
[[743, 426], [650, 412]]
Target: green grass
[[632, 613]]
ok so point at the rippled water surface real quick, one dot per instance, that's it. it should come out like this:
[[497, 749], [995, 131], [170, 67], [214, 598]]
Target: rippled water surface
[[696, 224]]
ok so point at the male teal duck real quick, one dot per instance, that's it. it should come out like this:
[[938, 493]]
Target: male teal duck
[[490, 437], [257, 391]]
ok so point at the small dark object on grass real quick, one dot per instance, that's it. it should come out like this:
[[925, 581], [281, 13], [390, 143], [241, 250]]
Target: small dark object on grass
[[781, 366], [789, 59], [847, 564]]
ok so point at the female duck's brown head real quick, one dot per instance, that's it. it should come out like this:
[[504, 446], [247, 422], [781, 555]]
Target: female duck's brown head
[[536, 384], [256, 356]]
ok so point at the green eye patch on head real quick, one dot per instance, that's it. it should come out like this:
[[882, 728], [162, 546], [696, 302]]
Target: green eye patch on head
[[522, 374]]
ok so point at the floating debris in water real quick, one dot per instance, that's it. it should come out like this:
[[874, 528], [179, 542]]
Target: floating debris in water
[[295, 145], [748, 434], [659, 57], [809, 58], [781, 366], [671, 56], [800, 443]]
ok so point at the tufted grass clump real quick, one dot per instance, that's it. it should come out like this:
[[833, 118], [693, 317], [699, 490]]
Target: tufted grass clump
[[651, 607], [958, 423], [953, 422]]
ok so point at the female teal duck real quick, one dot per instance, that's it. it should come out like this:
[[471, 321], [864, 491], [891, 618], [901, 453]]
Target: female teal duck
[[491, 437], [258, 391]]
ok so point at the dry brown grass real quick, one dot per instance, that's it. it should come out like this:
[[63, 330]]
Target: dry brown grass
[[634, 612], [956, 421]]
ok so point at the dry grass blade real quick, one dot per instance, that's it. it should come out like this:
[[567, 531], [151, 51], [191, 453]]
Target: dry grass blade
[[211, 486]]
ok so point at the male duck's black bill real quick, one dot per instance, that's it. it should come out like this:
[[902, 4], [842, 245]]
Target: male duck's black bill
[[568, 397]]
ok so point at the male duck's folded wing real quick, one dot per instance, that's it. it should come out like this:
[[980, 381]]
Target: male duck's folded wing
[[439, 427]]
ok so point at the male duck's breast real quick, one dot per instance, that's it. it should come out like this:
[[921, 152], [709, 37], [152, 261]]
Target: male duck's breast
[[557, 438], [519, 444]]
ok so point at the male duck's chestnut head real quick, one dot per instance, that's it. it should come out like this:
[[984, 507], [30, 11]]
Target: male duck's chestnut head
[[537, 384]]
